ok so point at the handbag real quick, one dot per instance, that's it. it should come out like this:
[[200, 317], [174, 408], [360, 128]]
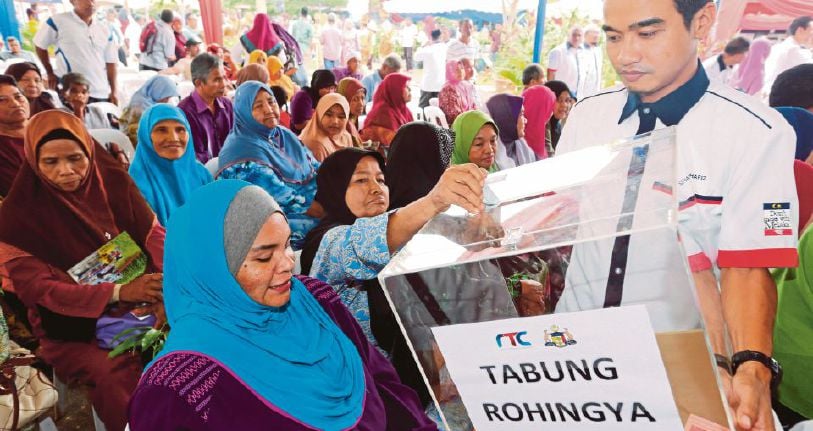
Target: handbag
[[25, 393]]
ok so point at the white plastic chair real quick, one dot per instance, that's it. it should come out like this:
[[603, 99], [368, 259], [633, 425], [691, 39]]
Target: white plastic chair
[[433, 102], [112, 135], [185, 88], [212, 165], [368, 107], [417, 112], [433, 114], [107, 108]]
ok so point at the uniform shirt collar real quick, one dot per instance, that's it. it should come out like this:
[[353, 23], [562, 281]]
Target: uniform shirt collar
[[671, 108]]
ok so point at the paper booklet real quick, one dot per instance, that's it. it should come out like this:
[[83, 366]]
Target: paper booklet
[[119, 261]]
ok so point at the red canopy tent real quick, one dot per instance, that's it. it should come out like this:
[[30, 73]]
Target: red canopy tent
[[211, 13]]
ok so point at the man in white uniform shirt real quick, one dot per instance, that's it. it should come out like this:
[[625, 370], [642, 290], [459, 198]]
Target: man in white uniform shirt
[[594, 61], [83, 45], [791, 52], [464, 46], [567, 62], [433, 56], [720, 68], [738, 212]]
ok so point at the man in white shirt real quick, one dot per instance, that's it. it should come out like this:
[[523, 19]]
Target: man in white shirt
[[161, 48], [793, 51], [83, 45], [734, 223], [567, 62], [464, 46], [720, 68], [594, 61], [433, 56], [406, 36]]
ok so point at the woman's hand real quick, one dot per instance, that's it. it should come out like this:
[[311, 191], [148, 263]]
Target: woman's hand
[[145, 288], [461, 185]]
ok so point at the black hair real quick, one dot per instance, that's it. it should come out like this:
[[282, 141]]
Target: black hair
[[532, 72], [72, 78], [793, 87], [8, 80], [435, 34], [280, 95], [17, 70], [796, 24], [167, 16], [688, 9], [738, 45], [303, 11]]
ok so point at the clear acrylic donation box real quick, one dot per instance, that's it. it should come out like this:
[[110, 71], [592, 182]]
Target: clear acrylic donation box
[[582, 237]]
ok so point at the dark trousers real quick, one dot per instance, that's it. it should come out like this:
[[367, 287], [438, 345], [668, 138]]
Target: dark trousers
[[425, 96], [408, 58], [143, 67]]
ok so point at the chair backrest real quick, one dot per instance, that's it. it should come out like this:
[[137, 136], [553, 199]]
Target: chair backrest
[[107, 108], [417, 112], [435, 115], [212, 165], [434, 102], [185, 88], [112, 135]]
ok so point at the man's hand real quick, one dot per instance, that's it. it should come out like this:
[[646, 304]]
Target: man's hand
[[750, 398], [53, 81], [113, 99], [145, 288]]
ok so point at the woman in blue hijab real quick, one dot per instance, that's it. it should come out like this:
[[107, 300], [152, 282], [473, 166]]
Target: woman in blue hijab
[[158, 89], [164, 167], [262, 152], [246, 333]]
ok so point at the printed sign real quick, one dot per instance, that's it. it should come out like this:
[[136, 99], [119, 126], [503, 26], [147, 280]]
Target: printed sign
[[592, 370]]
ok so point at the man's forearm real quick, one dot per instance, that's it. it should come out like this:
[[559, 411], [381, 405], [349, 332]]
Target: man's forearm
[[749, 306], [111, 76], [42, 54]]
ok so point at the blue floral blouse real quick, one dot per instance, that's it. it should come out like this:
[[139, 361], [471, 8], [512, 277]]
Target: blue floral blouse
[[293, 198], [350, 254]]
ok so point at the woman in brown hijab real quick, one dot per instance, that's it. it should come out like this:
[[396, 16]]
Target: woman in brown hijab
[[70, 198]]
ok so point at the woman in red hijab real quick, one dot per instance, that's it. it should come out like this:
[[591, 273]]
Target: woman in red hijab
[[69, 199], [389, 110], [538, 103], [261, 36]]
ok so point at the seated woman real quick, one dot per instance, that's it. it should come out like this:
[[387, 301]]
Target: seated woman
[[305, 100], [457, 95], [13, 120], [358, 235], [326, 131], [158, 89], [75, 89], [252, 72], [561, 108], [353, 90], [248, 335], [538, 103], [352, 68], [508, 115], [277, 76], [29, 79], [475, 140], [260, 151], [69, 199], [389, 111], [164, 167]]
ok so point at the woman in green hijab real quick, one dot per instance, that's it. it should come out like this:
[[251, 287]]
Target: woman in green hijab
[[475, 140]]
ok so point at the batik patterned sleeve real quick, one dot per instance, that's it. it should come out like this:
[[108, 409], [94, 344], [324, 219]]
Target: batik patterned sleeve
[[261, 175], [355, 252]]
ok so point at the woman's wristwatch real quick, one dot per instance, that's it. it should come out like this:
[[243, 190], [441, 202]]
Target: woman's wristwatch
[[772, 364]]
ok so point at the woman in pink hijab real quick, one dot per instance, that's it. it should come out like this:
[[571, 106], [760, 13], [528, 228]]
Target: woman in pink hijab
[[457, 95], [538, 104], [751, 74]]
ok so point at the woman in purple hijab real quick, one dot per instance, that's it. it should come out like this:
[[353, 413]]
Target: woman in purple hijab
[[751, 74]]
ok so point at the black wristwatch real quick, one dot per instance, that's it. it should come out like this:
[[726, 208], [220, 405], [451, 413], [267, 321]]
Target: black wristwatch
[[744, 356]]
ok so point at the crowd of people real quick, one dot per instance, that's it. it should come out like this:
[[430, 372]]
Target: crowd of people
[[257, 164]]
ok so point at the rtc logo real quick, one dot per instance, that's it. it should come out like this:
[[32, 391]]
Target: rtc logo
[[515, 339]]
